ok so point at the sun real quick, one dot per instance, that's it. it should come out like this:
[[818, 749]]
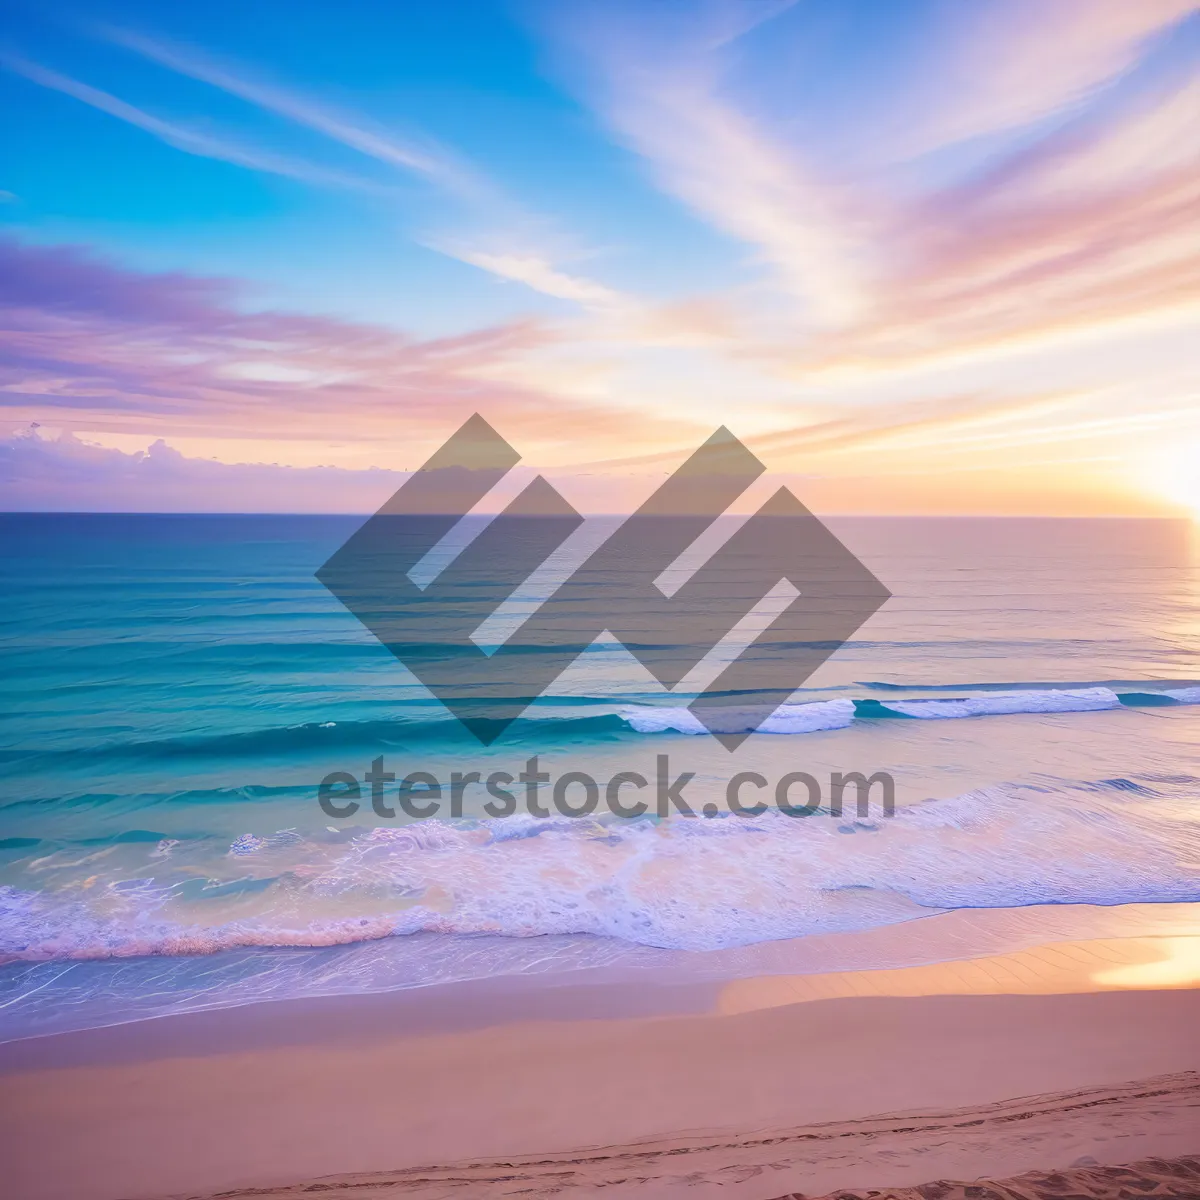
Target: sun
[[1174, 474]]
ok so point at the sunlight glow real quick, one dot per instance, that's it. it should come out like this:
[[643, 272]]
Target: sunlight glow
[[1174, 474], [1179, 968]]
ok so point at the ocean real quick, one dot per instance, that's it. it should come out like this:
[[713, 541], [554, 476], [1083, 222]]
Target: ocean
[[180, 685]]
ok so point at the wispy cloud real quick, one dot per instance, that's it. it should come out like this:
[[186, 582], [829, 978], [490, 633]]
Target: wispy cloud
[[1022, 61], [508, 253], [92, 346], [543, 276], [1087, 221], [658, 78], [190, 141], [493, 230], [988, 251], [418, 154], [752, 187], [1092, 226]]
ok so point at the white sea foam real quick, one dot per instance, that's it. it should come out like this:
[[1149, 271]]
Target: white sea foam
[[685, 883], [837, 714], [1188, 695], [992, 704], [787, 718]]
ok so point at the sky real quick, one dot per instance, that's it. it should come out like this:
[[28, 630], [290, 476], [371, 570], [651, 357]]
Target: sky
[[922, 256]]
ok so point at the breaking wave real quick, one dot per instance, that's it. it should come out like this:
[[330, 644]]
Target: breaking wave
[[692, 884], [837, 714], [592, 720]]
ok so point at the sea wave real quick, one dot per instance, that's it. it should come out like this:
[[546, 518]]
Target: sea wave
[[595, 719], [787, 718], [817, 716], [690, 884], [1008, 704]]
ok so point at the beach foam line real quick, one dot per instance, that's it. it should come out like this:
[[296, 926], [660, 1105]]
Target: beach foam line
[[820, 715], [767, 879]]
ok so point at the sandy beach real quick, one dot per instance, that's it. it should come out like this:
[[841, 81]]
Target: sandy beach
[[1045, 1059], [601, 600]]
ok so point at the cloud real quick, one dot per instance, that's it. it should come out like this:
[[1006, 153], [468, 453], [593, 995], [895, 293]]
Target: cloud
[[69, 474], [656, 77], [88, 346], [190, 141], [544, 277], [1012, 232], [1018, 62], [1083, 223], [420, 154], [752, 187], [1088, 228], [503, 230], [884, 424], [91, 346]]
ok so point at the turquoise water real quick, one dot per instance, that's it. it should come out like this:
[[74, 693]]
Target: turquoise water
[[178, 686]]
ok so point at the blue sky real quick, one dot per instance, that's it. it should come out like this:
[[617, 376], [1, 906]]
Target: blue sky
[[932, 255], [467, 79]]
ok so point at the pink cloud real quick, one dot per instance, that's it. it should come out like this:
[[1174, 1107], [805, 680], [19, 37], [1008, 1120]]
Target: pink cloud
[[1022, 61], [91, 346], [68, 474], [1081, 214], [1093, 224]]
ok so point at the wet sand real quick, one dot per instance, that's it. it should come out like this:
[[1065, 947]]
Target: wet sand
[[754, 1089]]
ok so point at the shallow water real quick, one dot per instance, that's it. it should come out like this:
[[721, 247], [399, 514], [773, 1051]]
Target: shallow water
[[179, 686]]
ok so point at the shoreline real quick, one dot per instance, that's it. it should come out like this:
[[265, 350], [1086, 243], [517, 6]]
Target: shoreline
[[1078, 966], [47, 999], [737, 1078]]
